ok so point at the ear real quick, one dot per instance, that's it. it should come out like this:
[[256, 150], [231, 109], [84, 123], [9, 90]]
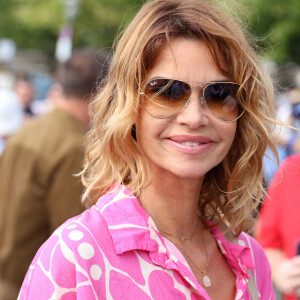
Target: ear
[[133, 132]]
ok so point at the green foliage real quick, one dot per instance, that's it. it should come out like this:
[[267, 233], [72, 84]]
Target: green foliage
[[277, 23], [36, 24], [31, 23], [99, 21]]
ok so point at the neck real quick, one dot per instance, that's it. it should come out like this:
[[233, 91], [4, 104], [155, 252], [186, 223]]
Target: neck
[[173, 207], [76, 108]]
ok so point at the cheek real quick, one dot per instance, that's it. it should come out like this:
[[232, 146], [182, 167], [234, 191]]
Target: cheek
[[232, 132], [227, 132], [143, 129], [231, 138], [147, 126], [149, 132]]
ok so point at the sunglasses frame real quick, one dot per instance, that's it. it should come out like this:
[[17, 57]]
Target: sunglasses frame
[[204, 85]]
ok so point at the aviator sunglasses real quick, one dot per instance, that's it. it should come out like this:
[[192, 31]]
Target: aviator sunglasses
[[163, 97]]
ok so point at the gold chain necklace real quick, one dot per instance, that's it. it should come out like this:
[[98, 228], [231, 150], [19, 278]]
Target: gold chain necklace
[[205, 279], [181, 238]]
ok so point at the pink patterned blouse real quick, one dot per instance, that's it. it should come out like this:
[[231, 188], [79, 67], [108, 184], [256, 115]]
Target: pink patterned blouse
[[114, 251]]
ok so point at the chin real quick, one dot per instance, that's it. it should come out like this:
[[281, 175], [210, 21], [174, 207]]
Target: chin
[[190, 174]]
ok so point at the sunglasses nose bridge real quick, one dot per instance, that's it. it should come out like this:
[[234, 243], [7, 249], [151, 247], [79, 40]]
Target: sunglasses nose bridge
[[202, 101], [201, 95]]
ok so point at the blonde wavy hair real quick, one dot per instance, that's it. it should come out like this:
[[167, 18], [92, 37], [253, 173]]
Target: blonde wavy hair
[[233, 189]]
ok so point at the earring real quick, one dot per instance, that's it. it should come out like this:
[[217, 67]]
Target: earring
[[133, 132]]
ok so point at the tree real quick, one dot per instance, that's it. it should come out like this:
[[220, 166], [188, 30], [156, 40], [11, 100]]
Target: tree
[[277, 23], [99, 21], [35, 24]]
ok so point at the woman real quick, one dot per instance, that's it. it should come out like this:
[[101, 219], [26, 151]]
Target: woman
[[175, 156]]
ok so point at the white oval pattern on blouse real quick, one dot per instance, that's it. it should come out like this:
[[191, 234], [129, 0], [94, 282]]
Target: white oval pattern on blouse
[[95, 272], [75, 235], [86, 250], [72, 226]]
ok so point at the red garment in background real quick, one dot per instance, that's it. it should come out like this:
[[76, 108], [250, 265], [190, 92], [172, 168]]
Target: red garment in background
[[279, 222]]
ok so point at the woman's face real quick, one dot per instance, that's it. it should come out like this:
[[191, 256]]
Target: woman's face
[[193, 141]]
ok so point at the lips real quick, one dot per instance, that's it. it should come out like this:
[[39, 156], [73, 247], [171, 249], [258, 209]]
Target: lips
[[186, 139], [191, 144]]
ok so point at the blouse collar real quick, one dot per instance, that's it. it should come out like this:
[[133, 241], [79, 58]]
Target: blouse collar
[[131, 228]]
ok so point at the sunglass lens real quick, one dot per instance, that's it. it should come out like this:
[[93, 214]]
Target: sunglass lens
[[221, 100], [165, 97]]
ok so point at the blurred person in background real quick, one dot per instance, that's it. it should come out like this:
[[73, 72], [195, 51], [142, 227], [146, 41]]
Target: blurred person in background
[[53, 95], [38, 189], [278, 228], [25, 91], [11, 115], [287, 139]]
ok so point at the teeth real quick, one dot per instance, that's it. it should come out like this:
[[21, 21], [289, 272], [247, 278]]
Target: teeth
[[191, 144]]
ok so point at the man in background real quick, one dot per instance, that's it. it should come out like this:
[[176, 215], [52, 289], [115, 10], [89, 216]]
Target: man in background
[[38, 189]]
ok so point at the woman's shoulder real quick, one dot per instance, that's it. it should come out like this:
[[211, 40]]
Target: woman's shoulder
[[73, 252], [88, 226], [76, 235]]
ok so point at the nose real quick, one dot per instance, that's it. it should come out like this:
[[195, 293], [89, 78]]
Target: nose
[[193, 113]]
